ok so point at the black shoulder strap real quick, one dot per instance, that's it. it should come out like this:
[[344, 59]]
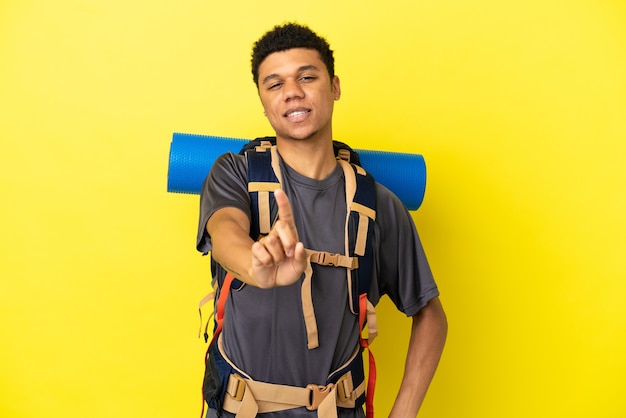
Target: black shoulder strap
[[263, 179], [362, 216]]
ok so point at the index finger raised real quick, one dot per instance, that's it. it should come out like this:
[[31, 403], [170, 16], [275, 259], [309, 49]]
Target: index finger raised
[[284, 208]]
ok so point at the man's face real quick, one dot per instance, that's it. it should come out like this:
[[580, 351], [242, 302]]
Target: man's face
[[297, 94]]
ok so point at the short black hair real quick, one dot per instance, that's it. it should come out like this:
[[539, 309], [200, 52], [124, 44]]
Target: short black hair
[[288, 36]]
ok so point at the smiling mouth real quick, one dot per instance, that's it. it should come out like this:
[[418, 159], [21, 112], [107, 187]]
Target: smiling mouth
[[296, 114]]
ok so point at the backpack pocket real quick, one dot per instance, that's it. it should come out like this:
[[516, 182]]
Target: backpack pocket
[[216, 376]]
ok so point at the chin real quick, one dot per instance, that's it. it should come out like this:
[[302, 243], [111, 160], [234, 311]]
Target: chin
[[300, 136]]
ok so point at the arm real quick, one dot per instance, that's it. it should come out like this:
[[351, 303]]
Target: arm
[[428, 336], [278, 259]]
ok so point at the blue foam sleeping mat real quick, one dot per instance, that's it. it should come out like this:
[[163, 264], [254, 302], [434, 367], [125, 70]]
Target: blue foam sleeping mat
[[191, 158]]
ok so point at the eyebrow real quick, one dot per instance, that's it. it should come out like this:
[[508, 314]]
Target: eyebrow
[[309, 67]]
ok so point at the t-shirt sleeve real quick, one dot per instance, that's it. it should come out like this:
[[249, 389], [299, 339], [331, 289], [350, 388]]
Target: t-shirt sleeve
[[225, 186], [402, 271]]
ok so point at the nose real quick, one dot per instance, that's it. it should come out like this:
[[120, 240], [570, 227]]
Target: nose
[[292, 90]]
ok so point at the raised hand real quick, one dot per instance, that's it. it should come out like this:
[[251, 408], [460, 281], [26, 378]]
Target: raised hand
[[279, 259]]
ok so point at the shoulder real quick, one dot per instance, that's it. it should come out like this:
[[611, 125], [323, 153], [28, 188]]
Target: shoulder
[[226, 181], [227, 168], [393, 219], [230, 162], [387, 201]]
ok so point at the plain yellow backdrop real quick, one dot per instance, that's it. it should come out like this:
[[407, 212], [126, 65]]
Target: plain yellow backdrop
[[519, 109]]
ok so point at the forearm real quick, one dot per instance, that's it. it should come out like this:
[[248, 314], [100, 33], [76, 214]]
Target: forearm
[[428, 336], [231, 244]]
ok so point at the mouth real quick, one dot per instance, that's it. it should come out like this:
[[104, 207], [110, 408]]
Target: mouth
[[297, 114]]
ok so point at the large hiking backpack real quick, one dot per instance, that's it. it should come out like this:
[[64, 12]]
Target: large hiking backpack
[[264, 177]]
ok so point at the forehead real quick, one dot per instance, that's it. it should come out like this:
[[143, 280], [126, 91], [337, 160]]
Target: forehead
[[290, 60]]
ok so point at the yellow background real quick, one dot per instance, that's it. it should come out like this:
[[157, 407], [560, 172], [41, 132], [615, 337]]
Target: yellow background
[[518, 107]]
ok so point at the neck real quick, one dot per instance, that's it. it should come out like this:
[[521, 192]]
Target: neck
[[311, 158]]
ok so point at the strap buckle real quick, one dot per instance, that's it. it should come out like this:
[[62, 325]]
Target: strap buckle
[[337, 260], [264, 146], [345, 388], [317, 394], [236, 387], [329, 259]]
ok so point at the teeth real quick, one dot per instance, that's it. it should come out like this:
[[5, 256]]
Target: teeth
[[295, 114]]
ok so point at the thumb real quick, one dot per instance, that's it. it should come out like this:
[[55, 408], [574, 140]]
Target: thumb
[[299, 258]]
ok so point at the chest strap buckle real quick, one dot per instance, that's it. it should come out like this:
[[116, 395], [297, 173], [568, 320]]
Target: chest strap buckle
[[324, 258]]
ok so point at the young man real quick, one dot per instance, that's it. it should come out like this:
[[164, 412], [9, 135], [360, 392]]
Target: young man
[[266, 335]]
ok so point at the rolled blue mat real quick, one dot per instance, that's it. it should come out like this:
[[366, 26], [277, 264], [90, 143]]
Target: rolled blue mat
[[191, 158]]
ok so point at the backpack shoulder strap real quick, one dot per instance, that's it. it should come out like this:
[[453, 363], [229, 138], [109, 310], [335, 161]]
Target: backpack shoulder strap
[[361, 206], [264, 177]]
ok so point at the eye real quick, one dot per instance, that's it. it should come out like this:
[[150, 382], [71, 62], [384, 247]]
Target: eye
[[307, 78], [274, 86]]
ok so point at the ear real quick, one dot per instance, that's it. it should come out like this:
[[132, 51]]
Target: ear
[[336, 87]]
